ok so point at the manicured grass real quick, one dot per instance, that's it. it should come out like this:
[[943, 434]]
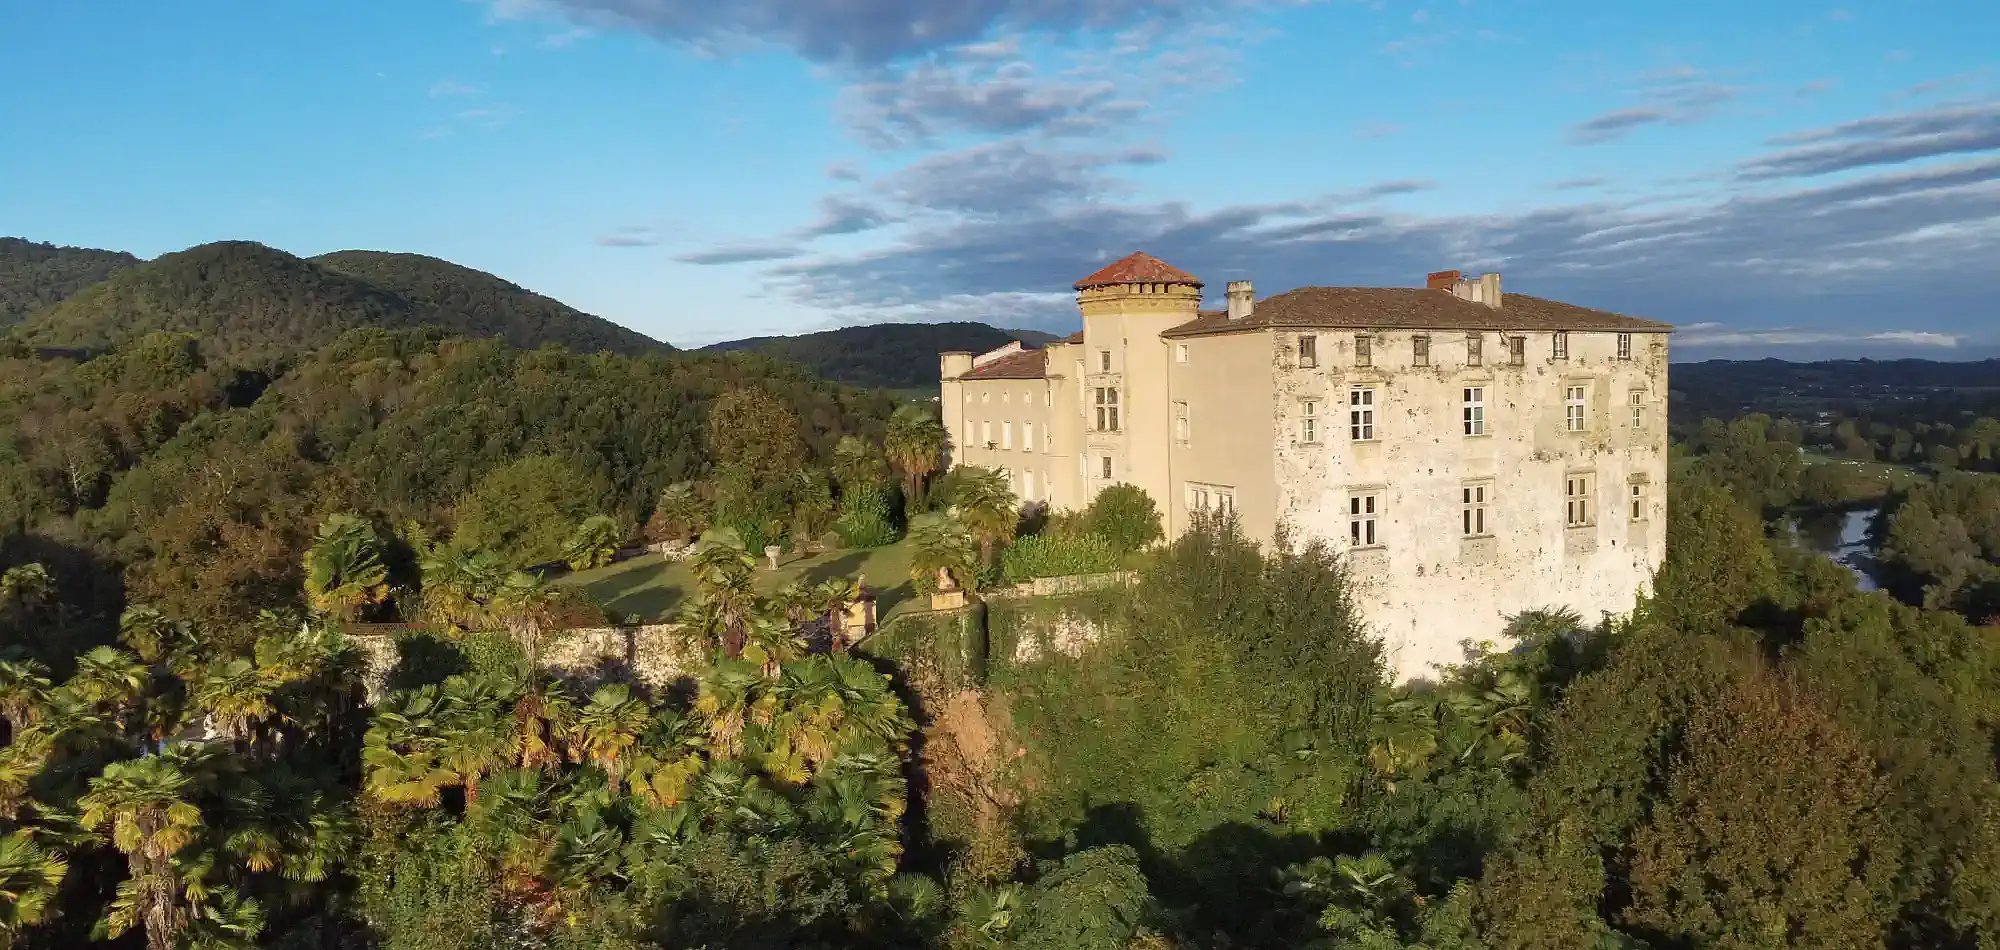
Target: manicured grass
[[651, 589]]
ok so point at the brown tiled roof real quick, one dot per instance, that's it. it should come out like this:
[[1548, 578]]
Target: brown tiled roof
[[1027, 364], [1076, 337], [1138, 268], [1411, 308]]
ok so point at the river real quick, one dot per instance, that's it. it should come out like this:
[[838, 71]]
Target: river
[[1842, 536]]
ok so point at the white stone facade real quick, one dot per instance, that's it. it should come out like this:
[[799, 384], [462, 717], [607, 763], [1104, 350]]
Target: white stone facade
[[1474, 454]]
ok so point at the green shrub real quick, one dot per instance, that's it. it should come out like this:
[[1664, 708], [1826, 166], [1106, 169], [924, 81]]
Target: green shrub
[[864, 518], [1051, 555], [1125, 517]]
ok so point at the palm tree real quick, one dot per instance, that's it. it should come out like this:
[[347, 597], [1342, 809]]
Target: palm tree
[[147, 802], [915, 443], [30, 875], [981, 499], [344, 569], [855, 464], [529, 603], [151, 634], [942, 543], [830, 598], [726, 594], [812, 506], [24, 693], [399, 755], [235, 696], [593, 544], [770, 641], [26, 585], [460, 586], [108, 677], [607, 728], [678, 513]]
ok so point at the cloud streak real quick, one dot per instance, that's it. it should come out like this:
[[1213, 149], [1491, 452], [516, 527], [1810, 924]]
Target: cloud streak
[[1677, 98]]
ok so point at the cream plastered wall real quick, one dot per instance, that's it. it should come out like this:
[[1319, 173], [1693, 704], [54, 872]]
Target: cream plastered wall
[[1226, 385], [1424, 586]]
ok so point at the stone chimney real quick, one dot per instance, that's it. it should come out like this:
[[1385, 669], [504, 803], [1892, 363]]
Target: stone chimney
[[1484, 289], [952, 365], [1242, 299]]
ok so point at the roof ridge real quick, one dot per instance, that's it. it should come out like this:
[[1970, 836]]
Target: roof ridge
[[1137, 267]]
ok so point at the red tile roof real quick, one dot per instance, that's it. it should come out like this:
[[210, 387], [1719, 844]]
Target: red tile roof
[[1076, 337], [1027, 364], [1411, 308], [1138, 268]]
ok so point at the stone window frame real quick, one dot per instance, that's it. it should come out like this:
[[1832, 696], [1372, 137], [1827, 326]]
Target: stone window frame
[[1180, 352], [1104, 361], [1579, 499], [1475, 349], [1308, 351], [1105, 399], [1309, 421], [1364, 350], [1475, 502], [1472, 414], [1638, 498], [1559, 345], [1365, 509], [1576, 406], [1517, 350], [1635, 400], [1420, 350], [1625, 346], [1361, 406], [1183, 428]]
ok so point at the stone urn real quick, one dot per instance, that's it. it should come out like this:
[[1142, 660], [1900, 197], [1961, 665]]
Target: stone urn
[[948, 596], [771, 552]]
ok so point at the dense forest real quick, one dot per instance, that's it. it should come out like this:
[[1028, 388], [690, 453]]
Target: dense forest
[[250, 302], [199, 543], [887, 355], [34, 275]]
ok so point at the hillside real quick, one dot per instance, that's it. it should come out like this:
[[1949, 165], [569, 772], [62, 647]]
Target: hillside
[[485, 300], [889, 355], [249, 301], [34, 275]]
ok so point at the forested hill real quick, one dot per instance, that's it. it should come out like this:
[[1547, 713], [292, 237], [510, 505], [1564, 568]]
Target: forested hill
[[247, 301], [33, 275], [889, 355], [479, 297]]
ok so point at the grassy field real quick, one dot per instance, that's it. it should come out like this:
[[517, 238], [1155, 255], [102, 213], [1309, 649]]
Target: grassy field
[[650, 588], [1889, 476]]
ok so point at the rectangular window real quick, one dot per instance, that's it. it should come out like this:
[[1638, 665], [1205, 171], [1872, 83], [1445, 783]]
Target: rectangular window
[[1637, 401], [1361, 415], [1473, 524], [1180, 352], [1006, 435], [1624, 346], [1475, 410], [1576, 501], [1638, 502], [1027, 484], [1049, 439], [986, 433], [1308, 421], [1027, 437], [1364, 350], [1517, 350], [1560, 345], [1420, 351], [1308, 351], [1181, 423], [1104, 465], [1225, 502], [1006, 397], [1104, 361], [1197, 498], [1573, 418], [1361, 513], [1107, 409], [1475, 346]]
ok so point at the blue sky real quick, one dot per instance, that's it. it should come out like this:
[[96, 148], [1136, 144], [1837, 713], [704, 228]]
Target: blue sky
[[1779, 178]]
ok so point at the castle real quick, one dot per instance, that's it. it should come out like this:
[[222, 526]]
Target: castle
[[1474, 454]]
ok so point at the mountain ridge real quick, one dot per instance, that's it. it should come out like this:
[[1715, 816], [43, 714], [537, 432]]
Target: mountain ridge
[[884, 355], [249, 300]]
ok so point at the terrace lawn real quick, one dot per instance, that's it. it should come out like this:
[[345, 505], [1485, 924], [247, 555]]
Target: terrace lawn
[[650, 589]]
